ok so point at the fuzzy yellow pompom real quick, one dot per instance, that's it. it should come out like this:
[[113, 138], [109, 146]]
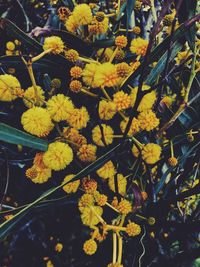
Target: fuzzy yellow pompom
[[98, 27], [37, 121], [134, 128], [8, 87], [10, 46], [58, 156], [58, 247], [147, 101], [134, 65], [76, 72], [107, 136], [89, 73], [107, 110], [172, 161], [124, 207], [74, 136], [90, 247], [70, 187], [71, 24], [75, 86], [87, 153], [148, 120], [89, 185], [78, 118], [72, 55], [121, 182], [59, 107], [100, 199], [151, 153], [121, 100], [82, 14], [85, 201], [38, 175], [88, 215], [106, 75], [30, 98], [107, 170], [54, 44], [139, 46], [133, 229], [123, 70], [121, 41]]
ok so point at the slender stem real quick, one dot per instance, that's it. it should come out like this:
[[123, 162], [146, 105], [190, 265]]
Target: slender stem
[[172, 149], [87, 60], [120, 243], [153, 10], [110, 206], [114, 248], [88, 93], [113, 54], [41, 55], [105, 93], [97, 215]]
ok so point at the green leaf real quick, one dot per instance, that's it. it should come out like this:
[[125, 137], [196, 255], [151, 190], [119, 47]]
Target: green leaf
[[74, 42], [104, 43], [154, 74], [54, 60], [129, 9], [7, 226], [162, 47], [14, 136]]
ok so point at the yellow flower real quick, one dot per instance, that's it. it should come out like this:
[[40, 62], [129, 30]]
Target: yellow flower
[[107, 110], [54, 43], [121, 181], [98, 27], [38, 175], [151, 153], [30, 98], [172, 161], [168, 100], [90, 247], [135, 151], [106, 75], [107, 135], [101, 199], [10, 46], [136, 30], [74, 136], [124, 207], [58, 247], [85, 201], [89, 185], [89, 73], [58, 156], [121, 41], [49, 264], [87, 153], [8, 86], [78, 118], [37, 121], [82, 14], [72, 55], [123, 70], [89, 218], [71, 187], [107, 170], [75, 86], [71, 24], [38, 160], [134, 128], [63, 13], [105, 53], [148, 120], [139, 46], [120, 54], [147, 101], [59, 107], [121, 100], [133, 229], [76, 72]]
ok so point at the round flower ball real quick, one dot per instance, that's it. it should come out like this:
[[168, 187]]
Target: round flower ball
[[90, 247], [37, 121], [54, 44], [58, 156], [30, 98], [8, 85], [151, 153]]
